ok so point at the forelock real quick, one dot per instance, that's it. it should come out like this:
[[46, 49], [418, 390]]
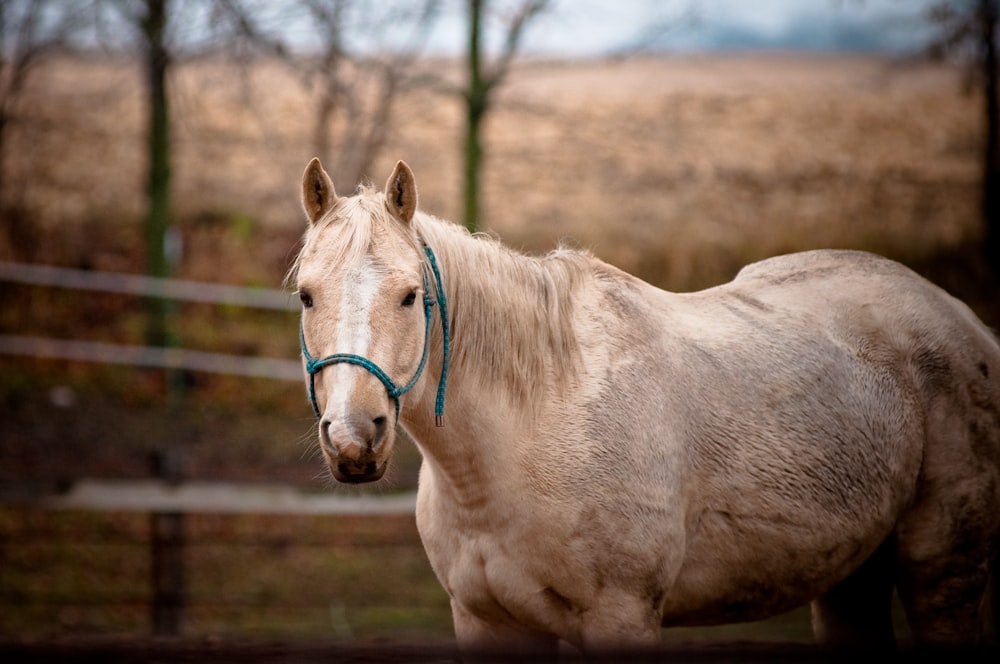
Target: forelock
[[345, 236]]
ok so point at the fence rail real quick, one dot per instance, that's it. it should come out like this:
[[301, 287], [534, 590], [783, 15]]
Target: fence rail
[[136, 284], [148, 356], [151, 495], [151, 356]]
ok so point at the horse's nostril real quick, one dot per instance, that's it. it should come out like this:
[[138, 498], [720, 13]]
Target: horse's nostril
[[328, 438], [380, 425]]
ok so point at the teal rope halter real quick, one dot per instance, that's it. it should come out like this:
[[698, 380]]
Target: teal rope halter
[[314, 366]]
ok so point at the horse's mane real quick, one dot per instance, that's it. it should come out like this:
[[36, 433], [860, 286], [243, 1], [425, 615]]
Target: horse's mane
[[511, 313]]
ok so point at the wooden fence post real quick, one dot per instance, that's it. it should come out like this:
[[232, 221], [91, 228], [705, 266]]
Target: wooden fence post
[[167, 551]]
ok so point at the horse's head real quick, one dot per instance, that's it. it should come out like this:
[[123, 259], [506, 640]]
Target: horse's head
[[362, 277]]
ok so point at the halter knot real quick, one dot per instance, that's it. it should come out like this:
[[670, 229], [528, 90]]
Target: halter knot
[[314, 366]]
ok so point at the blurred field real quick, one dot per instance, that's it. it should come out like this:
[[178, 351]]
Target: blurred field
[[680, 170]]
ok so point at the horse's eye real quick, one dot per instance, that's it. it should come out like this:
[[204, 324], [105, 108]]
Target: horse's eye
[[307, 300], [410, 298]]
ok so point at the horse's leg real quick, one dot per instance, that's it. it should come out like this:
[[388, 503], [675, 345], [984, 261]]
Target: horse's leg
[[944, 571], [479, 640], [622, 622], [948, 537], [858, 610]]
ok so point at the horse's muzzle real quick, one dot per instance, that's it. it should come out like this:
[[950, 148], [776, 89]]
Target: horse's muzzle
[[357, 450], [357, 472]]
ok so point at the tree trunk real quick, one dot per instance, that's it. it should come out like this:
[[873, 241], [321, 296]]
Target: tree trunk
[[321, 134], [4, 96], [476, 104], [991, 153], [158, 262], [158, 213], [473, 165], [3, 158]]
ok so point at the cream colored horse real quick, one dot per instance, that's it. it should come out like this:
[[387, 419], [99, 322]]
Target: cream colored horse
[[614, 457]]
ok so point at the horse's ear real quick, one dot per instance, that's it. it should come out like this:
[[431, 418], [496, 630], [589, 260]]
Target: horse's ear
[[318, 194], [401, 192]]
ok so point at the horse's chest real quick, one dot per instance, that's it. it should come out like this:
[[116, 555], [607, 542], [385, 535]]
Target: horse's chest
[[472, 579], [486, 579], [503, 575]]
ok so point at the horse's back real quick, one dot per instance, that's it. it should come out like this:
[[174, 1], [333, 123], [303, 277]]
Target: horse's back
[[948, 364], [878, 302], [892, 319]]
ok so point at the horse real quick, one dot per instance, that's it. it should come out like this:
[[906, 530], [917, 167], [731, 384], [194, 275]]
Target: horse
[[602, 458]]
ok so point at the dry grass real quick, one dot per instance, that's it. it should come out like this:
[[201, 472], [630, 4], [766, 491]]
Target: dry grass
[[684, 170], [680, 169]]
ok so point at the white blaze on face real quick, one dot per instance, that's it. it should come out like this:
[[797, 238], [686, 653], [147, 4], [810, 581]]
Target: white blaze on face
[[352, 336]]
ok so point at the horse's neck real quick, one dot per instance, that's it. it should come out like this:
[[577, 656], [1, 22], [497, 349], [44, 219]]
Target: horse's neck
[[477, 437], [499, 373], [512, 313], [471, 450]]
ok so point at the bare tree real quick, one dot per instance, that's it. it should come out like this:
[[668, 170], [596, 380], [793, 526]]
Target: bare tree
[[163, 30], [968, 30], [483, 80], [331, 62], [150, 21], [358, 82], [357, 54], [29, 30]]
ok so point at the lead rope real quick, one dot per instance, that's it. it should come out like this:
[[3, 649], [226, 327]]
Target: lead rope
[[445, 333]]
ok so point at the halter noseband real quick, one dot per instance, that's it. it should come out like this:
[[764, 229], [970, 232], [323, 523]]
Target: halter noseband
[[314, 366]]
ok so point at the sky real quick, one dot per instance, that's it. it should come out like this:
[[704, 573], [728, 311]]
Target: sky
[[575, 28], [598, 27]]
